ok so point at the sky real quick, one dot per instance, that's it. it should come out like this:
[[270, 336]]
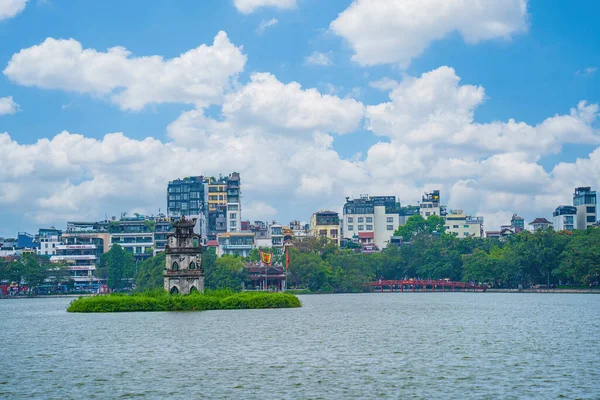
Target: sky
[[495, 103]]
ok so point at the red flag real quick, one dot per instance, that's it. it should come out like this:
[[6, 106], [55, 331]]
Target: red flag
[[287, 259]]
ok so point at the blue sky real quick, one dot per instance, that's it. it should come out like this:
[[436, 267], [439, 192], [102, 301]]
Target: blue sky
[[541, 67]]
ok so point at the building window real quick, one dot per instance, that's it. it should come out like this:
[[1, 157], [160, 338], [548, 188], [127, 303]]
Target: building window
[[232, 207], [192, 265], [447, 227], [360, 219], [591, 218], [465, 233], [427, 214], [569, 219], [350, 220], [569, 227], [194, 195], [350, 227], [466, 226], [232, 215], [369, 227], [361, 228], [390, 220], [455, 226], [220, 197], [390, 227], [175, 266], [370, 219], [184, 206], [591, 209], [232, 224]]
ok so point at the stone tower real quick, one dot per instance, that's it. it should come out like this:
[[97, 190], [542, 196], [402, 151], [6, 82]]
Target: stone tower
[[184, 272]]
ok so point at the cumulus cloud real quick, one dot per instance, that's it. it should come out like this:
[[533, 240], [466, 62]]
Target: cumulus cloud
[[10, 8], [384, 84], [280, 137], [249, 6], [318, 58], [199, 76], [397, 31], [436, 108], [8, 106], [264, 24]]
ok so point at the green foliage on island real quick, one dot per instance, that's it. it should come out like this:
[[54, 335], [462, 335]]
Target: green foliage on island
[[159, 300]]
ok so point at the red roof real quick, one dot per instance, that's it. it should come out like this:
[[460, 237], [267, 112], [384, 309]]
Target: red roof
[[540, 221], [213, 243], [366, 235]]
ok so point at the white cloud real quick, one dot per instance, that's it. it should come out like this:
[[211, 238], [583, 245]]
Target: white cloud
[[8, 106], [272, 105], [258, 210], [589, 71], [10, 8], [199, 76], [249, 6], [397, 31], [318, 58], [436, 108], [264, 24], [384, 84], [280, 137]]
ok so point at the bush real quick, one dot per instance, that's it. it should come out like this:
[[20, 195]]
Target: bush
[[159, 300]]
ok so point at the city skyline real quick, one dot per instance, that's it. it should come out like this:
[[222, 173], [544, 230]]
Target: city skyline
[[290, 95]]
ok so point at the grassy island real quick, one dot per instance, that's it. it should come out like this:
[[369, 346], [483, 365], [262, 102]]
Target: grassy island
[[159, 300]]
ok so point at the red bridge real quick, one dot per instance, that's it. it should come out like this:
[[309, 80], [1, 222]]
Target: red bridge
[[425, 286]]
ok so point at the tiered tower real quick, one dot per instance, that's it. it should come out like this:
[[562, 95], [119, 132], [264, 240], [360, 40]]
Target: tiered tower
[[184, 273]]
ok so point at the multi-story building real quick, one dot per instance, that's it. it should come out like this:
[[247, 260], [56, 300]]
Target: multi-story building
[[564, 218], [234, 205], [135, 235], [377, 214], [262, 234], [216, 192], [326, 224], [47, 240], [540, 224], [83, 244], [406, 212], [276, 237], [161, 230], [430, 204], [301, 229], [217, 221], [186, 197], [462, 225], [585, 200], [235, 243]]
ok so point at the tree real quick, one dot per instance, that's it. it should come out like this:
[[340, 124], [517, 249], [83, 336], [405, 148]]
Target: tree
[[580, 260], [229, 272], [150, 273], [416, 224], [117, 266]]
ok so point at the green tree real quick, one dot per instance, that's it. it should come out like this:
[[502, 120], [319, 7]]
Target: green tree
[[117, 266], [150, 273], [580, 260], [229, 272], [416, 224]]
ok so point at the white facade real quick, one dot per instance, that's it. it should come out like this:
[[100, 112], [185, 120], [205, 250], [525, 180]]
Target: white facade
[[462, 225], [585, 200], [48, 246], [564, 218], [378, 214], [137, 243], [234, 218], [430, 204]]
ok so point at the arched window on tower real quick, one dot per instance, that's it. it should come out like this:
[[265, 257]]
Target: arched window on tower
[[196, 242], [192, 265], [175, 266]]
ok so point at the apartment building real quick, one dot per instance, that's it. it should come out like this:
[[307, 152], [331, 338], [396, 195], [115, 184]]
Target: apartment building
[[326, 223], [462, 225], [564, 218], [585, 201], [235, 243], [379, 215], [187, 197]]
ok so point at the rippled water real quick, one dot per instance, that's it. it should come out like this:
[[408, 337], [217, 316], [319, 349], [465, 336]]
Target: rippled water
[[421, 345]]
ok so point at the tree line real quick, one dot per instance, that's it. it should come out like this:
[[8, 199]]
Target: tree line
[[526, 259]]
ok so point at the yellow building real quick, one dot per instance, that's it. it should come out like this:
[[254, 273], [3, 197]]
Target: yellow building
[[326, 224], [217, 193]]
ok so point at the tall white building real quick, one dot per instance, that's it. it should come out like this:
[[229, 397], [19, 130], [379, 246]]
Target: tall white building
[[234, 205], [585, 200], [564, 218], [430, 204], [379, 215]]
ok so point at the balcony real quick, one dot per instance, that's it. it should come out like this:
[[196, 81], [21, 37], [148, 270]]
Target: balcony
[[237, 246]]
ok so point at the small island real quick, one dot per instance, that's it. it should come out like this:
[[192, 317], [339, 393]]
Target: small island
[[159, 300]]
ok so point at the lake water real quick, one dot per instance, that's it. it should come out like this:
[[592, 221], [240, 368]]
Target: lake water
[[392, 345]]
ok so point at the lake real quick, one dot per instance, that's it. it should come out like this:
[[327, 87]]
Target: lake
[[389, 345]]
